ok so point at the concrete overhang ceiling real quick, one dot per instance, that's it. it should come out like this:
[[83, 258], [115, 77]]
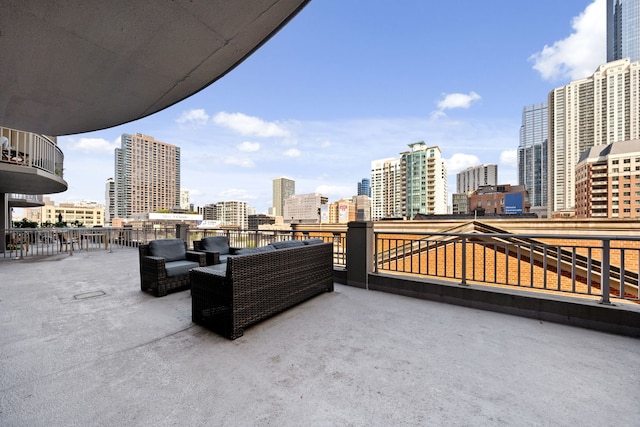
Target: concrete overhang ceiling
[[76, 66]]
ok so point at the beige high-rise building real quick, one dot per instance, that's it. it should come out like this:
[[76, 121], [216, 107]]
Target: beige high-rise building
[[147, 175], [597, 110], [304, 208], [385, 188], [283, 188]]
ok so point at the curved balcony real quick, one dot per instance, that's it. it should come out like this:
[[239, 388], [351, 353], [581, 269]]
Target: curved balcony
[[30, 163]]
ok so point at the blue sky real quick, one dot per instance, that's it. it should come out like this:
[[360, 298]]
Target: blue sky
[[347, 82]]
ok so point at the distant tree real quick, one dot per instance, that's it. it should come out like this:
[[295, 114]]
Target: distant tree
[[47, 224], [25, 223], [60, 224], [77, 224]]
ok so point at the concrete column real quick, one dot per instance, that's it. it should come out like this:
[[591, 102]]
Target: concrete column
[[359, 253], [182, 232], [5, 219]]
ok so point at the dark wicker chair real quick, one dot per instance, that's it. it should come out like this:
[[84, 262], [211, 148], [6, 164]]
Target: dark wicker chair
[[255, 286], [165, 265], [216, 247]]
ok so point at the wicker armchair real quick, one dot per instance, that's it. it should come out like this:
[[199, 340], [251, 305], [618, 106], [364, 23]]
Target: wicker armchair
[[216, 248], [165, 266]]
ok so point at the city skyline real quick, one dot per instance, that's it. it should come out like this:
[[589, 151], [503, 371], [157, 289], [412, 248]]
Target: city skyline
[[341, 86]]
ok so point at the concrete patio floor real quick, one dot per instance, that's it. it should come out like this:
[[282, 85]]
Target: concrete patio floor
[[80, 345]]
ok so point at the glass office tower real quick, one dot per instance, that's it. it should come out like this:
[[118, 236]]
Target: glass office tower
[[623, 30], [533, 152]]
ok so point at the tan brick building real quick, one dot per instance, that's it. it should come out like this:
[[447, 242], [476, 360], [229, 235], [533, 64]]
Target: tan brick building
[[608, 181]]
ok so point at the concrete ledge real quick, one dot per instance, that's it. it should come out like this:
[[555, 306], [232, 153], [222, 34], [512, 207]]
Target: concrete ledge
[[621, 319]]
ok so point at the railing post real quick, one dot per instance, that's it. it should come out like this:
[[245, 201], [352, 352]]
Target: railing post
[[359, 253], [604, 273], [464, 262]]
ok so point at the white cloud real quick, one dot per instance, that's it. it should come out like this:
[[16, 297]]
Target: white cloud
[[249, 146], [325, 144], [450, 101], [509, 158], [459, 162], [457, 100], [292, 152], [239, 161], [92, 145], [249, 126], [579, 54], [195, 117]]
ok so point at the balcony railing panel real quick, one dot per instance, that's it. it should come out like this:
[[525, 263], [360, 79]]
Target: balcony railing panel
[[604, 266]]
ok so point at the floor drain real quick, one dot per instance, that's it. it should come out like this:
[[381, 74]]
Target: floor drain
[[89, 295]]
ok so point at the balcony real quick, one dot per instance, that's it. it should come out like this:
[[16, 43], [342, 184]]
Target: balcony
[[32, 164], [81, 345]]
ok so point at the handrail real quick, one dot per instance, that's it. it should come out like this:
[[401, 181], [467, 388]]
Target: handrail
[[29, 149]]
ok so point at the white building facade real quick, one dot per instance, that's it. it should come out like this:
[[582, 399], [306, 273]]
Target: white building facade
[[597, 110]]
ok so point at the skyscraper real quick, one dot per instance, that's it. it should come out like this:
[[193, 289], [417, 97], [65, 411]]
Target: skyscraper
[[623, 30], [533, 153], [596, 110], [473, 177], [109, 200], [385, 189], [364, 187], [283, 188], [424, 187], [147, 175]]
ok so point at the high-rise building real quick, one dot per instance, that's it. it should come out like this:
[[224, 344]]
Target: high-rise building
[[364, 187], [232, 213], [608, 181], [597, 110], [423, 181], [533, 154], [623, 30], [110, 200], [185, 202], [147, 175], [283, 188], [385, 189], [474, 177], [304, 208]]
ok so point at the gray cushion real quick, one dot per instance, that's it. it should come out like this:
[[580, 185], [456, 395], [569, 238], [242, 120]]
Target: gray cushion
[[245, 251], [287, 244], [314, 241], [176, 268], [169, 249], [216, 244]]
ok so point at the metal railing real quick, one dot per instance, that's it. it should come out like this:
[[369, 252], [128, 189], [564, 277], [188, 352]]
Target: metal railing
[[28, 242], [605, 266], [30, 149]]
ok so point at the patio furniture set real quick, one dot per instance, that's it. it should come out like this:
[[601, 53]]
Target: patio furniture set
[[233, 288]]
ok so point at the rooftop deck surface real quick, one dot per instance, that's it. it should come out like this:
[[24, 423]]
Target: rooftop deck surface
[[81, 345]]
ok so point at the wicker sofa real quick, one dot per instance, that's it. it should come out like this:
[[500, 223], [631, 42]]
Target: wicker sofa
[[258, 283], [165, 265]]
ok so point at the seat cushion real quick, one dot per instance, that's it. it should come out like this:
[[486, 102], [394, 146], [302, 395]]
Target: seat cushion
[[169, 249], [218, 269], [177, 268], [314, 241], [216, 244], [246, 251], [287, 244]]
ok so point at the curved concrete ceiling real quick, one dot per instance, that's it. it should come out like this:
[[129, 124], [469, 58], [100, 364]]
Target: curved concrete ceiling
[[76, 66]]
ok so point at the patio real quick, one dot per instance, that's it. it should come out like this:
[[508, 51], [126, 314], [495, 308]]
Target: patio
[[81, 345]]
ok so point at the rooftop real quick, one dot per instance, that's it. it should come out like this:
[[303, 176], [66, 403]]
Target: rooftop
[[81, 345]]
